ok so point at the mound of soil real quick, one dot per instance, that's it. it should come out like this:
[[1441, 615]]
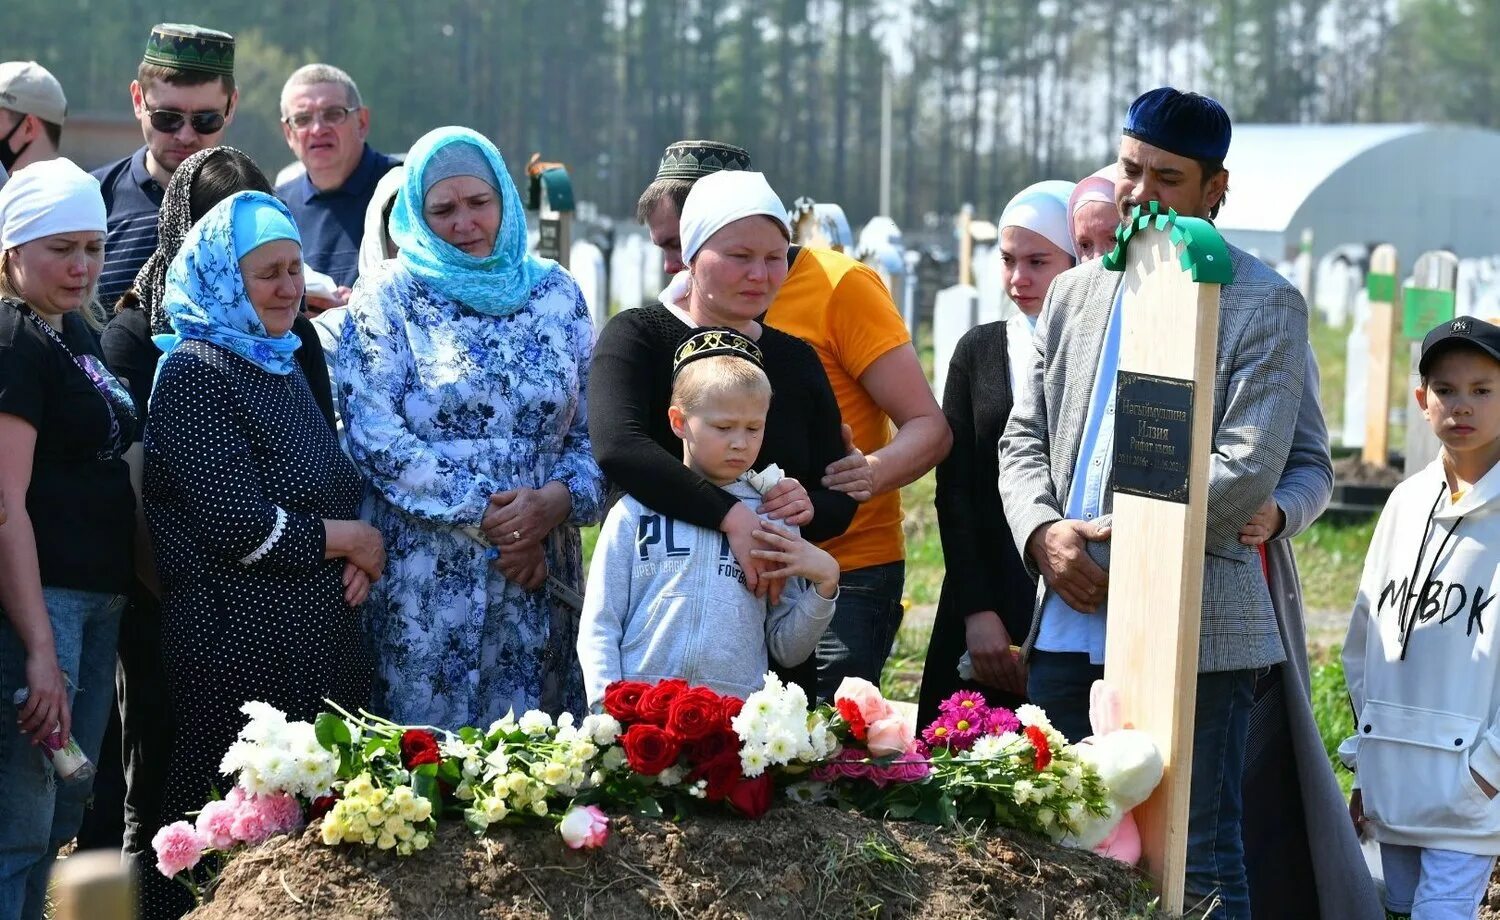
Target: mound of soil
[[1353, 471], [796, 862]]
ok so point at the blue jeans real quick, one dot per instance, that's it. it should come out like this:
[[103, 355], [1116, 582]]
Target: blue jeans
[[37, 814], [1059, 682], [863, 629], [1432, 884], [1215, 848]]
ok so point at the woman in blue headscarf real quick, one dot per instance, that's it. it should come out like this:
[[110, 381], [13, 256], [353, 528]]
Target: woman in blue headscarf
[[462, 372], [252, 506]]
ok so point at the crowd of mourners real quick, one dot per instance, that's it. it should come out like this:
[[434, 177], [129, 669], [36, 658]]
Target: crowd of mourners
[[334, 439]]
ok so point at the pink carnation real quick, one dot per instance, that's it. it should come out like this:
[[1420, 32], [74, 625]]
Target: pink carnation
[[216, 825], [849, 764], [178, 848], [282, 812]]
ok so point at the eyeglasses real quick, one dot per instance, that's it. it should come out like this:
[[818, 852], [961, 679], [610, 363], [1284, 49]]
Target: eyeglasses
[[333, 116], [170, 121]]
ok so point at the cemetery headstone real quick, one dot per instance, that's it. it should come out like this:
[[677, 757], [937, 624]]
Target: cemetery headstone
[[1380, 328], [1428, 301], [586, 262], [551, 196], [955, 312], [1356, 369]]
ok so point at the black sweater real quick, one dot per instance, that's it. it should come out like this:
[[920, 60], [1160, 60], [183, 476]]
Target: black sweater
[[984, 570], [132, 356], [630, 388]]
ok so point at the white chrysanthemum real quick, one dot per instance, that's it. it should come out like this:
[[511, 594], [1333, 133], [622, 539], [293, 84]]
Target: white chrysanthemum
[[807, 793], [1032, 714], [752, 760], [987, 747], [565, 720], [1022, 790], [780, 747], [535, 723], [613, 759], [603, 728]]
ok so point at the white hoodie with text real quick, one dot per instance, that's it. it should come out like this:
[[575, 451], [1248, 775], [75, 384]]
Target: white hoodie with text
[[1420, 660]]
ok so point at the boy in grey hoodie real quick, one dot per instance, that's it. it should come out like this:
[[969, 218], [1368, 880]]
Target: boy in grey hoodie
[[666, 598]]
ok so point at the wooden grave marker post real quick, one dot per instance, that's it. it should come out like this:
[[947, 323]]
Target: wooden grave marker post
[[93, 885], [1382, 286], [1164, 399], [1429, 301], [551, 197]]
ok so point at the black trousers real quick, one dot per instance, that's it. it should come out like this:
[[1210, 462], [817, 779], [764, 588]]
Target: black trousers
[[137, 746]]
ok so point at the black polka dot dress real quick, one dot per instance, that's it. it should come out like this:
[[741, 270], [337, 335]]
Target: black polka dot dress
[[241, 471]]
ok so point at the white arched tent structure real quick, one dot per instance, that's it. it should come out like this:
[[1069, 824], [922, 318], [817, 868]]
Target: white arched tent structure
[[1418, 187]]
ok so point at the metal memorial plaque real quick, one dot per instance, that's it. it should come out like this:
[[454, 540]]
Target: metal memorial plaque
[[549, 238], [1153, 436]]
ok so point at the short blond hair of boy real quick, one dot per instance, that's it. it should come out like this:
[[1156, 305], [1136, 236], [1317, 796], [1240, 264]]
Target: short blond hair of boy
[[705, 380]]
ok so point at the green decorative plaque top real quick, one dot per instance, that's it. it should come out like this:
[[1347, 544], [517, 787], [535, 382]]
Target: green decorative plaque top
[[1204, 253]]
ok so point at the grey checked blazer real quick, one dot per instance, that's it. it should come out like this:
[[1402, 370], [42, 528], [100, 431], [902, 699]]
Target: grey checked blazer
[[1258, 384]]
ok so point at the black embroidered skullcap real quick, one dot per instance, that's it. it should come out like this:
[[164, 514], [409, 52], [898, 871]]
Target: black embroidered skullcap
[[715, 340], [693, 160], [185, 47], [1186, 124]]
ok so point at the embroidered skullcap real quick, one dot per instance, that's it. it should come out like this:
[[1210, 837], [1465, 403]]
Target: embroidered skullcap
[[693, 160], [46, 198], [188, 47], [715, 340], [720, 199], [1042, 208], [1186, 124]]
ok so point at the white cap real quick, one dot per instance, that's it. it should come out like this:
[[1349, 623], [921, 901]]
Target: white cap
[[27, 87], [47, 198], [719, 199]]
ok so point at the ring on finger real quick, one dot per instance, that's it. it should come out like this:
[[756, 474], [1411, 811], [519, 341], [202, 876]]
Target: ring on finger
[[515, 536]]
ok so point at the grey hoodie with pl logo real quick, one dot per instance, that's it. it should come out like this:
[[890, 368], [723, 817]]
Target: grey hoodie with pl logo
[[666, 599]]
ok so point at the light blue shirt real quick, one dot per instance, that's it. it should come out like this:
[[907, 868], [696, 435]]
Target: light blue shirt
[[1064, 629]]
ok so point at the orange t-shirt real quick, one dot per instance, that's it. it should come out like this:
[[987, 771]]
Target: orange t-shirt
[[841, 308]]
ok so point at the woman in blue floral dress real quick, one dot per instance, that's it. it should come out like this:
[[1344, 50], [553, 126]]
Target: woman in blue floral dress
[[462, 373]]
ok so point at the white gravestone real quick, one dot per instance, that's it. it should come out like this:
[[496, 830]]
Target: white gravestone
[[587, 262], [955, 312], [1356, 371]]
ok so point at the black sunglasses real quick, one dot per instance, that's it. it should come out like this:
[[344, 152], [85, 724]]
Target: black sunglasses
[[169, 121]]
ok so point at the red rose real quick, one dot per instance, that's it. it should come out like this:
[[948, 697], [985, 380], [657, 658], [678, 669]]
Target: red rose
[[418, 747], [752, 797], [657, 701], [695, 714], [849, 711], [732, 707], [648, 749], [1038, 740], [321, 806], [712, 746], [722, 773], [622, 698]]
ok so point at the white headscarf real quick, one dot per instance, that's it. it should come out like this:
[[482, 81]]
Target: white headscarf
[[372, 246], [719, 199], [46, 198], [1042, 208]]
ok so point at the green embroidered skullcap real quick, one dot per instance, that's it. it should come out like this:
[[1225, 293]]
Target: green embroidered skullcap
[[184, 47], [692, 160]]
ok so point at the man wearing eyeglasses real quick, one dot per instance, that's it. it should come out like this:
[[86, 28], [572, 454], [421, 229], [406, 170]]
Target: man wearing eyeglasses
[[184, 97], [325, 124]]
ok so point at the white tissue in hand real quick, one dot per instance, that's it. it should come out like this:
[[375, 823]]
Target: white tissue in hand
[[765, 480]]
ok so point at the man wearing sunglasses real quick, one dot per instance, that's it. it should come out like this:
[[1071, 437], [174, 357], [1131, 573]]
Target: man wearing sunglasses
[[325, 123], [184, 97]]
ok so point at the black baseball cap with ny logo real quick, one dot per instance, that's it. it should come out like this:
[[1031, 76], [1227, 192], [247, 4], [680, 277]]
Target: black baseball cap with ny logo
[[1463, 331]]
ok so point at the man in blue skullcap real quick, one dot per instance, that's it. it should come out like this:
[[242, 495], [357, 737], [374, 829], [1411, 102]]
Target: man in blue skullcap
[[1056, 463]]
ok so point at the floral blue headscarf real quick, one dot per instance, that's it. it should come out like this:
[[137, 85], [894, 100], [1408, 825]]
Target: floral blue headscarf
[[205, 297], [498, 284]]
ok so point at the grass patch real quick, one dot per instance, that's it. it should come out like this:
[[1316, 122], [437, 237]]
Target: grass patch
[[1330, 558], [1331, 710]]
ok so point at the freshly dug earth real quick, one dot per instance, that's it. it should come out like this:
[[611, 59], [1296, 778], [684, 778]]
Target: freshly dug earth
[[1353, 471], [796, 862]]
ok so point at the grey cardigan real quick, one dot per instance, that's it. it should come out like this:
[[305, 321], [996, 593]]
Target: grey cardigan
[[1258, 381]]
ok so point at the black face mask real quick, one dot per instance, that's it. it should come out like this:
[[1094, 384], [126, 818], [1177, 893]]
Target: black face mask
[[8, 157]]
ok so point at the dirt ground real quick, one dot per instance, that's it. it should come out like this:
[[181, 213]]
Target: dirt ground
[[796, 862]]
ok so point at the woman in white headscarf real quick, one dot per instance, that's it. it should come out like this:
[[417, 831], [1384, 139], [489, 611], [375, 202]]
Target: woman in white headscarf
[[1092, 214], [985, 605], [66, 553]]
